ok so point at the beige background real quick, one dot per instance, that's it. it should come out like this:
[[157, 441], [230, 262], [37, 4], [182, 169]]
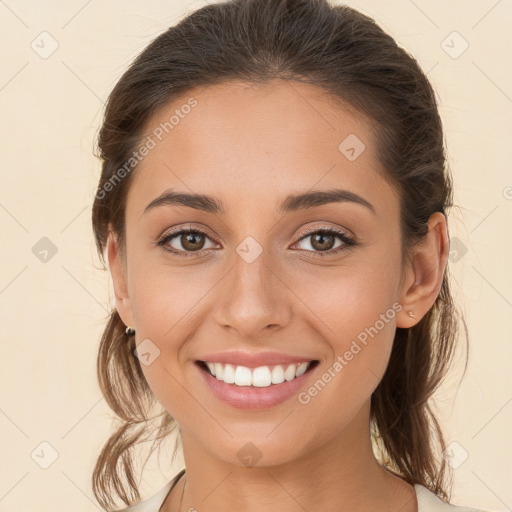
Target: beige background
[[53, 312]]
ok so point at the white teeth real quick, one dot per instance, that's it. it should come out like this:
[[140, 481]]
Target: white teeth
[[261, 377], [289, 373], [211, 367], [218, 371], [277, 375], [301, 369], [243, 376], [229, 374]]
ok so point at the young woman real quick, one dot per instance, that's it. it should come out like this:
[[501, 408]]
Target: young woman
[[272, 206]]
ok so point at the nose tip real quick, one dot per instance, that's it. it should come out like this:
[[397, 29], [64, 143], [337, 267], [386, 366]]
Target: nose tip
[[253, 300]]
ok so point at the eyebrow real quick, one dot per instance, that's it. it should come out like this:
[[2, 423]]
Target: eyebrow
[[290, 204]]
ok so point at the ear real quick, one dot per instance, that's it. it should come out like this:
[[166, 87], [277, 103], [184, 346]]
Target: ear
[[424, 272], [118, 272]]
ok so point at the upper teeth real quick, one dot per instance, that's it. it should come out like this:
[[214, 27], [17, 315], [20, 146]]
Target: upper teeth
[[262, 376]]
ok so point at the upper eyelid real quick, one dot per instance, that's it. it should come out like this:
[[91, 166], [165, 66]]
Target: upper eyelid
[[335, 230], [185, 229]]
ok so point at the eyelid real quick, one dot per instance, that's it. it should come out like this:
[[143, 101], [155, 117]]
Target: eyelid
[[188, 227], [326, 227]]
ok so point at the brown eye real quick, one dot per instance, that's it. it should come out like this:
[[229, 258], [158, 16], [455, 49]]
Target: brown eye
[[192, 241], [322, 241], [185, 242]]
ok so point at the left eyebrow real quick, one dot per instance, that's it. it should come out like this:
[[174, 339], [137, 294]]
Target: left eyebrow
[[321, 197], [291, 203]]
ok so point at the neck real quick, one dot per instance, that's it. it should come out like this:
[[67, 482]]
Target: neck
[[341, 475]]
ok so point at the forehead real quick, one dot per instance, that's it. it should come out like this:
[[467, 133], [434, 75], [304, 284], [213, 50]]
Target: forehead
[[247, 142]]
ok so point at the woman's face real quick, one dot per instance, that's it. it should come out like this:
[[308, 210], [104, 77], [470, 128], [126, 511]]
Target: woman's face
[[254, 279]]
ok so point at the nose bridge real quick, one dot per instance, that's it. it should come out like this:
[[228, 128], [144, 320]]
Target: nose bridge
[[252, 295]]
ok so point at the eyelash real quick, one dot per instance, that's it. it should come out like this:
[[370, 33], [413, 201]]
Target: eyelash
[[348, 242]]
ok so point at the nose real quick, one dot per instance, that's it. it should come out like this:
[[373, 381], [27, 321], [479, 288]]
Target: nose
[[253, 298]]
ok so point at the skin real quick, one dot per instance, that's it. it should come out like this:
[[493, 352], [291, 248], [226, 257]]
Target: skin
[[251, 146]]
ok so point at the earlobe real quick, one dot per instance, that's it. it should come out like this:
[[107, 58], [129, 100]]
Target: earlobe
[[118, 272], [425, 273]]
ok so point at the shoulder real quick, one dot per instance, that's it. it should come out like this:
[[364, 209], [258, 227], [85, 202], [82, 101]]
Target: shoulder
[[155, 501], [430, 502]]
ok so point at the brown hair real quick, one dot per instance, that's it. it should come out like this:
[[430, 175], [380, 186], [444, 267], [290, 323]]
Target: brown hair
[[349, 56]]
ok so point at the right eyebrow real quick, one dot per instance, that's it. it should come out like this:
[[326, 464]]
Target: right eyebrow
[[197, 201]]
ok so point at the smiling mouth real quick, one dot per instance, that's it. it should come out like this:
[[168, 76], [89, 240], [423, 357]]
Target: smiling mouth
[[264, 376]]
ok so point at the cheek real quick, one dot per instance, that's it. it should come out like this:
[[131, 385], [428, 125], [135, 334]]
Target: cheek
[[169, 388], [359, 335], [354, 307], [357, 319], [163, 297], [163, 308], [166, 303], [352, 296]]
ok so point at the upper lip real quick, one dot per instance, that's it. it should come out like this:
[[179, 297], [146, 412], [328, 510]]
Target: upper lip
[[253, 359]]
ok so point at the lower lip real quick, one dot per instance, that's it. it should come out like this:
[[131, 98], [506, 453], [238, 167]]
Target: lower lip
[[254, 398]]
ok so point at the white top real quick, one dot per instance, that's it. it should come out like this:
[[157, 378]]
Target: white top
[[427, 500]]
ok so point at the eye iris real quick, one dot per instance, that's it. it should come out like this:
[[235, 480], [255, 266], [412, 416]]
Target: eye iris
[[187, 241], [318, 241]]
